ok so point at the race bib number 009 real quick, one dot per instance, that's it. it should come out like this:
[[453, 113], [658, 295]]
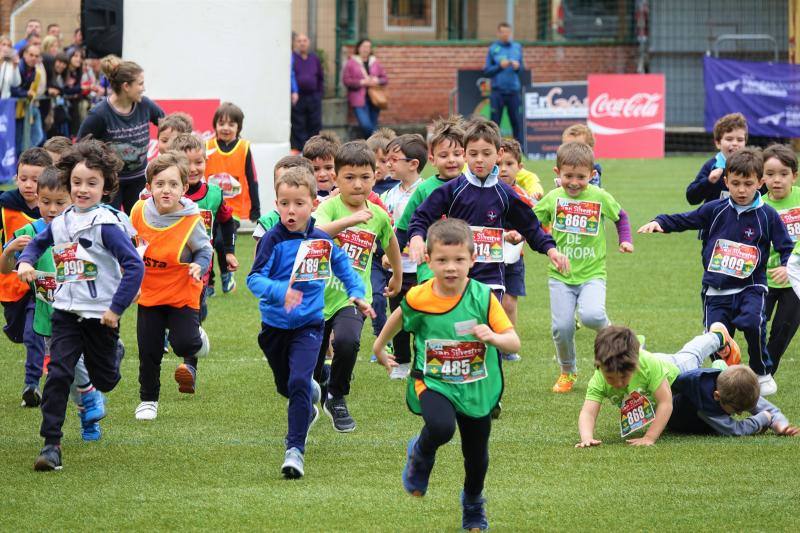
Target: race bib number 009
[[791, 219], [313, 261], [358, 245], [636, 413], [577, 216], [488, 244], [70, 267], [456, 362], [733, 259]]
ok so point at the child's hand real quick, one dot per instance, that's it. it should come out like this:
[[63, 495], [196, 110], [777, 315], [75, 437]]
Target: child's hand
[[416, 249], [385, 262], [19, 244], [110, 319], [626, 247], [513, 237], [194, 271], [786, 430], [292, 299], [384, 358], [360, 217], [233, 263], [364, 307], [651, 227], [484, 333], [641, 441], [395, 285], [779, 275], [26, 273], [588, 443], [715, 175], [559, 260]]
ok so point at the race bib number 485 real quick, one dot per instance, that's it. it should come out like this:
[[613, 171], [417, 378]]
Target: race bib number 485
[[577, 216], [70, 267], [455, 362], [733, 259]]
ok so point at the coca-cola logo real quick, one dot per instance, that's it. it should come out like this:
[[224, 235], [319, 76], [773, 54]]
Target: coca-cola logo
[[638, 105]]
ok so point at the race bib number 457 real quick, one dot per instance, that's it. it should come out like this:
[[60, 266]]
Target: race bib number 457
[[455, 362], [69, 266], [733, 259], [577, 216], [313, 261], [358, 245]]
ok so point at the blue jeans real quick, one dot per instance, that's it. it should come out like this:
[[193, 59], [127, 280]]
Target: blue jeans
[[367, 116], [512, 102]]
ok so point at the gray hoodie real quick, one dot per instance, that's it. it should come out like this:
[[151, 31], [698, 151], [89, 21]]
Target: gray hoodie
[[198, 247]]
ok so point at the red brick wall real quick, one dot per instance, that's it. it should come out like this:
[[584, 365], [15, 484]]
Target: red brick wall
[[421, 77]]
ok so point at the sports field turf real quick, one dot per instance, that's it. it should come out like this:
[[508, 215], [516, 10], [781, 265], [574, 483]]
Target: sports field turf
[[211, 461]]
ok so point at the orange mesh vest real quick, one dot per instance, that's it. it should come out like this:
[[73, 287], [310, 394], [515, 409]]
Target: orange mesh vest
[[11, 288], [166, 278], [227, 170]]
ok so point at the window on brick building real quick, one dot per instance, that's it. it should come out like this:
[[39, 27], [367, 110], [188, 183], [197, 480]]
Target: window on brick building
[[410, 14]]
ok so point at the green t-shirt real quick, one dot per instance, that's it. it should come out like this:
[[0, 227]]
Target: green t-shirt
[[789, 210], [43, 310], [579, 231], [647, 378], [420, 194], [380, 226], [265, 223]]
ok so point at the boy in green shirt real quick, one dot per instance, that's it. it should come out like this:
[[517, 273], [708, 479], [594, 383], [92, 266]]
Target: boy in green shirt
[[357, 225], [576, 212]]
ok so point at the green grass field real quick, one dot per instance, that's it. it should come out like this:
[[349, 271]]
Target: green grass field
[[211, 461]]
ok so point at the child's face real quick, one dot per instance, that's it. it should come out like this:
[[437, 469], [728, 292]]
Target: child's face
[[52, 203], [87, 186], [481, 157], [381, 165], [355, 184], [294, 205], [167, 189], [779, 178], [399, 165], [324, 172], [742, 188], [509, 167], [617, 380], [197, 165], [27, 177], [448, 158], [226, 129], [450, 264], [574, 179], [731, 142], [165, 138]]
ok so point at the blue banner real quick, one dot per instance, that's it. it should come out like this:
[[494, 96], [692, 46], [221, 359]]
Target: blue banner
[[767, 94], [8, 130], [550, 108]]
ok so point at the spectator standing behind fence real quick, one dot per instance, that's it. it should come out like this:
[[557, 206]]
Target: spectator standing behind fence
[[307, 111], [9, 67], [33, 27], [504, 62], [362, 71], [29, 125], [93, 82], [77, 100], [123, 122]]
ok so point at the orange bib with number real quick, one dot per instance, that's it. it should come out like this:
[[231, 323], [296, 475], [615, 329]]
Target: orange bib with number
[[228, 171]]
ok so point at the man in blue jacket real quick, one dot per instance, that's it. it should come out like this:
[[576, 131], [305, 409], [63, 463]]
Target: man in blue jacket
[[503, 64]]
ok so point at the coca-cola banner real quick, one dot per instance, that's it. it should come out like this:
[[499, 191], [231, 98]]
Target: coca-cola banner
[[626, 115], [767, 94], [549, 109]]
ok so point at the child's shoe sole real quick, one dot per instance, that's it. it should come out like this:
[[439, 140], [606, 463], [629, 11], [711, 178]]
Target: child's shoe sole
[[185, 379]]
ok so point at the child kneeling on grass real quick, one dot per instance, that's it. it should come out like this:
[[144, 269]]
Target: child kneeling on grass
[[459, 328]]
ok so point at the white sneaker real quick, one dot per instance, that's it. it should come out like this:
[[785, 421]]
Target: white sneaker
[[293, 463], [400, 371], [205, 347], [767, 385], [146, 411]]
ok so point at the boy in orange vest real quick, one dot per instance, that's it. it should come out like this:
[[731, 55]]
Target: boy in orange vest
[[230, 166], [176, 252], [19, 207]]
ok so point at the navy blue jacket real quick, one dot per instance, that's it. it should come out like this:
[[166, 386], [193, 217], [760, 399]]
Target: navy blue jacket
[[505, 80], [758, 226], [701, 190]]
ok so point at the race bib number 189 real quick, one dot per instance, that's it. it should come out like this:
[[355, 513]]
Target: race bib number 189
[[313, 261]]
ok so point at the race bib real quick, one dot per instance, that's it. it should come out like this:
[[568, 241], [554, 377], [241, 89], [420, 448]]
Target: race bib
[[455, 362], [577, 216], [733, 259], [488, 244], [45, 286], [230, 186], [636, 413], [791, 219], [208, 220], [69, 267], [313, 261], [358, 245]]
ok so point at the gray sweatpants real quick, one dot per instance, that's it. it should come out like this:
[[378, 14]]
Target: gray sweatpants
[[693, 353], [590, 301]]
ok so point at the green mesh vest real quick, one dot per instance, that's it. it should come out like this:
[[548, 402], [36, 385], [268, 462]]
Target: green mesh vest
[[209, 205], [44, 310], [460, 367]]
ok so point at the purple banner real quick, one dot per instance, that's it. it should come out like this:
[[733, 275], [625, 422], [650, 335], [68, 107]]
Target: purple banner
[[8, 164], [767, 94]]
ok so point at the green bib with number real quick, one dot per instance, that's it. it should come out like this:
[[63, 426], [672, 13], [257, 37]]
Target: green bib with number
[[209, 205], [44, 309], [789, 210], [450, 360]]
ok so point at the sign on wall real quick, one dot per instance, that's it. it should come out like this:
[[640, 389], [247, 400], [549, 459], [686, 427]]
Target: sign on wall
[[473, 97], [549, 109], [201, 111]]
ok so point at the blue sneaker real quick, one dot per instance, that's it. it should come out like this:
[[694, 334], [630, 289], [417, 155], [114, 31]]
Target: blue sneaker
[[373, 358], [210, 291], [417, 471], [94, 406], [90, 431], [473, 513], [228, 282]]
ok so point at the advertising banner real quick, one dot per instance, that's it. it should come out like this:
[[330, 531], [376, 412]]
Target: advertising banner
[[549, 109], [201, 111], [473, 97]]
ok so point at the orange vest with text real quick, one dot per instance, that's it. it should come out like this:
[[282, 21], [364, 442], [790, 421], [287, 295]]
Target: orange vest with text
[[233, 163], [11, 288], [166, 279]]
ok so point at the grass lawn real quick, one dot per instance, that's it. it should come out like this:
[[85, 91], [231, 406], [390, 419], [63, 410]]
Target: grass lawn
[[211, 461]]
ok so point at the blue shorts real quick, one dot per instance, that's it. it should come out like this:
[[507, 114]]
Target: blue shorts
[[515, 278]]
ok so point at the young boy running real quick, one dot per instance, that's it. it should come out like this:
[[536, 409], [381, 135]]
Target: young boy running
[[737, 233], [458, 327], [730, 136], [177, 252], [293, 261]]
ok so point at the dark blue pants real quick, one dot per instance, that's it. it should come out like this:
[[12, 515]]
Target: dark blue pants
[[292, 355], [512, 102], [19, 329], [378, 278], [745, 311], [306, 120]]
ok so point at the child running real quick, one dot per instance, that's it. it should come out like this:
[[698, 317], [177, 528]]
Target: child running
[[170, 127], [730, 136], [98, 272], [267, 222], [458, 327]]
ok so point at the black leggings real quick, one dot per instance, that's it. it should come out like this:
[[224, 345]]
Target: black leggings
[[402, 341], [786, 306], [440, 424], [346, 326], [128, 194]]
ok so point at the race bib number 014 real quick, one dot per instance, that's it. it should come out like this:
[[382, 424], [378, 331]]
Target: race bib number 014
[[456, 362], [636, 413], [488, 244], [791, 219], [733, 259], [358, 245], [577, 216], [313, 261], [71, 268]]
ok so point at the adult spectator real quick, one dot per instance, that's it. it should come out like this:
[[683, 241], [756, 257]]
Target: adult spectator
[[33, 27], [123, 121], [59, 86], [363, 70], [29, 125], [77, 42], [74, 91], [307, 111], [504, 62], [93, 82], [54, 30], [9, 67]]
